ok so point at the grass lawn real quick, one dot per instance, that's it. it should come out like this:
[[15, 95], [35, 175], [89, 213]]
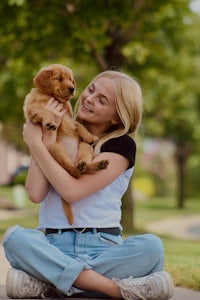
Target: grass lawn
[[31, 220], [182, 257], [182, 260]]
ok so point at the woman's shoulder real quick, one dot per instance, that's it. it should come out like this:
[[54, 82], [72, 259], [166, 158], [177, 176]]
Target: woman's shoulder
[[124, 141], [123, 145]]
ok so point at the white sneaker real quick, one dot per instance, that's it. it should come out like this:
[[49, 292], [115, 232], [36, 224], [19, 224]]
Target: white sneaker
[[20, 285], [157, 286]]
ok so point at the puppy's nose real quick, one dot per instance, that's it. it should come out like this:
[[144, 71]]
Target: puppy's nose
[[71, 89]]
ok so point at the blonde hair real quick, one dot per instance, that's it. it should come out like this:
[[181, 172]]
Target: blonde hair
[[129, 106]]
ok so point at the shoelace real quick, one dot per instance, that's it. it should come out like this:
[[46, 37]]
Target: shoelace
[[133, 291], [140, 282], [33, 283], [52, 292]]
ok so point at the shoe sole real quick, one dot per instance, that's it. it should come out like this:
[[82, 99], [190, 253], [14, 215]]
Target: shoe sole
[[11, 278], [167, 285]]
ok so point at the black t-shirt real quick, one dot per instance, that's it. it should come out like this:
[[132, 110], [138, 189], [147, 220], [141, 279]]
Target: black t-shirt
[[123, 145]]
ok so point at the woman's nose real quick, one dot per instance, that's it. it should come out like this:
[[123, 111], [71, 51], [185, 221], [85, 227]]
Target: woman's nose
[[90, 99]]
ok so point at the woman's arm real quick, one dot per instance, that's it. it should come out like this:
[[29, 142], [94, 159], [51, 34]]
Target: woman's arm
[[68, 187], [37, 185]]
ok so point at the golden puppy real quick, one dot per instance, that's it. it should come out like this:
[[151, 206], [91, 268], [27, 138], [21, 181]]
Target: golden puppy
[[72, 149]]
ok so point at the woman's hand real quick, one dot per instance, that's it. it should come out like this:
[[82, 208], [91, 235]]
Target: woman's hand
[[57, 108], [33, 133]]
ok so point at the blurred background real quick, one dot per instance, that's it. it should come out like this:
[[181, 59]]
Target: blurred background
[[158, 43]]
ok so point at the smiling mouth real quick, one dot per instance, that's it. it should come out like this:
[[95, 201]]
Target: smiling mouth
[[85, 107]]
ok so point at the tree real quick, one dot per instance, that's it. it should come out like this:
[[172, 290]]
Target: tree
[[174, 107], [155, 41]]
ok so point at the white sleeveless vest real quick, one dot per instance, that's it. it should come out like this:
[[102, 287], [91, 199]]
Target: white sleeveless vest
[[102, 209]]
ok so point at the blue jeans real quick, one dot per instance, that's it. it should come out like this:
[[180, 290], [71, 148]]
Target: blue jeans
[[60, 258]]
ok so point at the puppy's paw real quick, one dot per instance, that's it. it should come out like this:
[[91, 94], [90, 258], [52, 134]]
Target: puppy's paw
[[81, 166], [50, 126], [90, 139], [103, 164], [93, 140], [35, 119]]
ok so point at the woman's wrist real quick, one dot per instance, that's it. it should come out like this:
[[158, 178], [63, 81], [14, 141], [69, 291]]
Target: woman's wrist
[[34, 150], [33, 161]]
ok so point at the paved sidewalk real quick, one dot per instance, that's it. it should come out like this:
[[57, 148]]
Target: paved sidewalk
[[183, 227]]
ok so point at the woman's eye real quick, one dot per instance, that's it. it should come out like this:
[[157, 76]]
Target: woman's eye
[[101, 100], [90, 89]]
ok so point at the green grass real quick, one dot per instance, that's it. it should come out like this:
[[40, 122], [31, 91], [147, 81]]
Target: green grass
[[7, 193], [156, 209], [30, 221], [182, 257], [182, 260]]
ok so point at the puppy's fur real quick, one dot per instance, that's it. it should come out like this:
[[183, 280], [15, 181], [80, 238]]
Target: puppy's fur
[[72, 149]]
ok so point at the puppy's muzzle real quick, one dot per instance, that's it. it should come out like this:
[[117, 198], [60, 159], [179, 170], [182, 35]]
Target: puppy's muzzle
[[71, 90]]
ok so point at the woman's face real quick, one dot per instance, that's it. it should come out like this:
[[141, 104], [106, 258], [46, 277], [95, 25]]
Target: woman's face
[[97, 107]]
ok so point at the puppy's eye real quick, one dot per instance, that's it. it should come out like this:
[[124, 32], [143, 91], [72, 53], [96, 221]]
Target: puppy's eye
[[73, 82], [59, 78]]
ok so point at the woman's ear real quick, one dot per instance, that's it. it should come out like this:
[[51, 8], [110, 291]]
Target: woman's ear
[[116, 120], [43, 81]]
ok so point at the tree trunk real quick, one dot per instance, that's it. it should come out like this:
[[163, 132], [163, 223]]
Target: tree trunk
[[181, 156], [128, 210]]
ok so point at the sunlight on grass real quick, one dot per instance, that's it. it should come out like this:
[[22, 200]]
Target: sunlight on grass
[[182, 259], [29, 222]]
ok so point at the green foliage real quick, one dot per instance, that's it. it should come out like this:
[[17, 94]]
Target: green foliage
[[143, 186], [155, 41], [155, 161], [19, 177]]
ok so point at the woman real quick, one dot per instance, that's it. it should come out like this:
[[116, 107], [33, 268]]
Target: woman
[[90, 255]]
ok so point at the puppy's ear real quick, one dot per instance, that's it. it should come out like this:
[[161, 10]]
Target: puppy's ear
[[74, 82], [43, 81]]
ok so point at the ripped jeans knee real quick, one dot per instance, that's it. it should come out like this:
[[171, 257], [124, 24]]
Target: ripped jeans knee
[[17, 241], [8, 233], [9, 247]]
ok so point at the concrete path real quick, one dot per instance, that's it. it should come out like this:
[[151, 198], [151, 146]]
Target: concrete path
[[183, 227]]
